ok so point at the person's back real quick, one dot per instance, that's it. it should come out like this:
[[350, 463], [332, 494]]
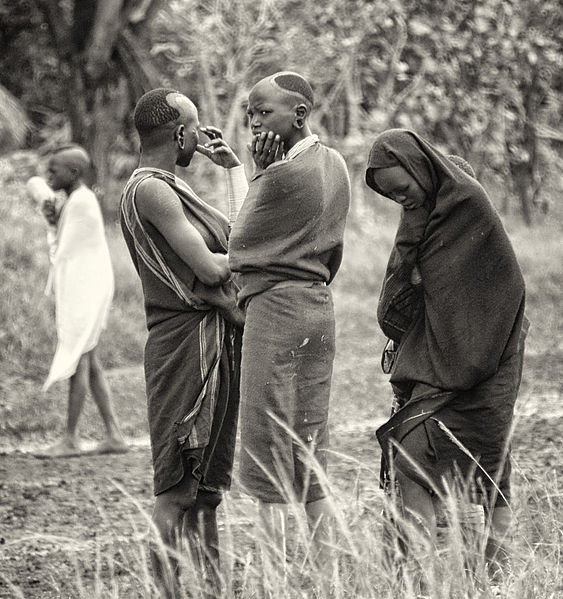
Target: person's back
[[82, 244]]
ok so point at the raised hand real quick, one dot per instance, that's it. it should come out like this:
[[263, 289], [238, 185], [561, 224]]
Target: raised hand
[[266, 149], [50, 212], [217, 149]]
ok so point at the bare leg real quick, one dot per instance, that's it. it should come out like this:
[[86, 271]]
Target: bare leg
[[321, 520], [273, 537], [200, 526], [168, 515], [114, 442], [68, 445], [497, 553], [418, 507], [419, 513]]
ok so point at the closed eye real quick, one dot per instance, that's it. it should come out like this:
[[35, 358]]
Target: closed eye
[[401, 190]]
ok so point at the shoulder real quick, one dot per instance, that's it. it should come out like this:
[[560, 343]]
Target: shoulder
[[82, 195], [335, 156], [157, 202], [152, 186], [153, 191], [81, 201]]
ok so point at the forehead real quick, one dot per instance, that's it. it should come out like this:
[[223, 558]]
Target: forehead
[[391, 176], [184, 105], [56, 161], [265, 92]]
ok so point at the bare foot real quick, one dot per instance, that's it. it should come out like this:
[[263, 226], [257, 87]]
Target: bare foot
[[109, 446], [62, 449]]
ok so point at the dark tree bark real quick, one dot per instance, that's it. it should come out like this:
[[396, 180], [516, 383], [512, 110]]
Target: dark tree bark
[[104, 67], [523, 155]]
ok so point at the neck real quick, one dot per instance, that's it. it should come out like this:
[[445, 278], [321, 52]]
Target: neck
[[297, 136], [73, 186], [158, 157]]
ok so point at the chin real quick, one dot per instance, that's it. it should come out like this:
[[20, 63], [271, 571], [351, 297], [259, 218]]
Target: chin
[[184, 160]]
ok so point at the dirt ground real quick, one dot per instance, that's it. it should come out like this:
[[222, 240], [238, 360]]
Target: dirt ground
[[61, 517]]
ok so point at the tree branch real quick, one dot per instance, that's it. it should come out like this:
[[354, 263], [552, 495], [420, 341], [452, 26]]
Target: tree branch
[[136, 65], [109, 21], [56, 23]]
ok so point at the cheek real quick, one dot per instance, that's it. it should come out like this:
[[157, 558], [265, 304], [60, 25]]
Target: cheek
[[192, 142], [421, 195]]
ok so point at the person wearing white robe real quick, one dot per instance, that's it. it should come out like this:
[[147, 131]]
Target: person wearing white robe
[[83, 283]]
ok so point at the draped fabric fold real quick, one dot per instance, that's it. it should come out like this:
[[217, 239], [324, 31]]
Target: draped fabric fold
[[83, 282], [472, 286], [459, 331], [291, 224], [190, 356]]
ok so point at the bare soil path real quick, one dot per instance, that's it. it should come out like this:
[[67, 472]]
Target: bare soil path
[[66, 524]]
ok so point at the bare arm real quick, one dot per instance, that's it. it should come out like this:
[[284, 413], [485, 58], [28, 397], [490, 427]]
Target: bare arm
[[160, 206]]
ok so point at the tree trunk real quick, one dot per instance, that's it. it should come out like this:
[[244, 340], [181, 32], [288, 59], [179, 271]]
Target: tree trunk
[[104, 68]]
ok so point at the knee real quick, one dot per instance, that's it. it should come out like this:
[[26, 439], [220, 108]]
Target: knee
[[168, 514], [207, 501], [171, 506], [82, 371]]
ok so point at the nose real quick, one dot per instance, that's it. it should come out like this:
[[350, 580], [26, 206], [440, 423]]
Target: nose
[[255, 121]]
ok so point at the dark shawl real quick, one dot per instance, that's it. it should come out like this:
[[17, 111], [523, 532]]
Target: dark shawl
[[472, 286], [291, 225]]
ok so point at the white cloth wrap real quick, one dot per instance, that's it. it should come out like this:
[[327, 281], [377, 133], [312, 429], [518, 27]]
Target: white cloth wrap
[[83, 282], [237, 188]]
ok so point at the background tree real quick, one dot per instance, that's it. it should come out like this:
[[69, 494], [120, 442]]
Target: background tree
[[91, 59], [481, 78]]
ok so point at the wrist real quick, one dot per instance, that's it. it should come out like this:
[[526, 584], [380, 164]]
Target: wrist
[[233, 164]]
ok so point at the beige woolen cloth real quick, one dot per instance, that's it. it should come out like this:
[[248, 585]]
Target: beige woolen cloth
[[83, 282]]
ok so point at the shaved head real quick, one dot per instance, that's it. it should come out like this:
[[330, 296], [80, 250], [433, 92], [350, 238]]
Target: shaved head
[[292, 85], [74, 157], [160, 110]]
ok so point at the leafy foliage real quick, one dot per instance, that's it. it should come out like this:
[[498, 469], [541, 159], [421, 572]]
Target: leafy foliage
[[481, 77]]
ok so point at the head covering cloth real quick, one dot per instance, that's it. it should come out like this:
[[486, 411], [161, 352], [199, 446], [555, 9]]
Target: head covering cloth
[[473, 289]]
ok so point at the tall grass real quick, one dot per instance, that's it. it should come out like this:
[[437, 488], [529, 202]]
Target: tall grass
[[117, 564], [359, 564]]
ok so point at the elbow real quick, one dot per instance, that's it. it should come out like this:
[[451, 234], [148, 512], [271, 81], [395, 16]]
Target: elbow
[[213, 280], [215, 276]]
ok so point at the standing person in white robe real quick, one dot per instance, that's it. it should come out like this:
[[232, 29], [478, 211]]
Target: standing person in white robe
[[82, 277]]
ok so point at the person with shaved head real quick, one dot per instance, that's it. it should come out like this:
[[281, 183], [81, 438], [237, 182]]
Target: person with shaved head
[[286, 248], [82, 278], [178, 244]]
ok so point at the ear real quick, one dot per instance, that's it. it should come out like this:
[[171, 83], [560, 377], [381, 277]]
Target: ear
[[179, 133], [301, 112]]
